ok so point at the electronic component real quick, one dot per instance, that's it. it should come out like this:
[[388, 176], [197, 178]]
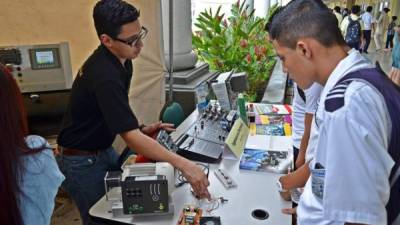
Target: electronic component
[[204, 141], [190, 216], [199, 150], [225, 179], [165, 140], [145, 194]]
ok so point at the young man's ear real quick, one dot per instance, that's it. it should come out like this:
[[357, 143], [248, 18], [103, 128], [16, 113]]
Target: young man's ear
[[303, 49], [106, 40]]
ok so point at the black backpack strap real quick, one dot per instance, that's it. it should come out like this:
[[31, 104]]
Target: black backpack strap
[[301, 93]]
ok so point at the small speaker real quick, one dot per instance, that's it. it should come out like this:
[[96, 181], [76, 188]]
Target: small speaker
[[238, 82]]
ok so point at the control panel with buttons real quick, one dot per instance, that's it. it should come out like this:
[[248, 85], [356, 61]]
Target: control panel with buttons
[[145, 194]]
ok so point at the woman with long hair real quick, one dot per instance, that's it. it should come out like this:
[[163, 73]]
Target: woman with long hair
[[29, 175]]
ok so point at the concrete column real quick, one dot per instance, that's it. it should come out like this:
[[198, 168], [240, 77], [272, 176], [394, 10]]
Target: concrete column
[[375, 10], [395, 8], [184, 57], [273, 2], [250, 3], [262, 7]]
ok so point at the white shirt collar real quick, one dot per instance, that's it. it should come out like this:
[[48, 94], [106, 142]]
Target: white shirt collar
[[354, 61]]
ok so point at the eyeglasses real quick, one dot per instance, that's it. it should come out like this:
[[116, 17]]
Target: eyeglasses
[[132, 41]]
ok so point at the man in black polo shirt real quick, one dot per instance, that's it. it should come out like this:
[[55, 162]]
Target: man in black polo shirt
[[99, 110]]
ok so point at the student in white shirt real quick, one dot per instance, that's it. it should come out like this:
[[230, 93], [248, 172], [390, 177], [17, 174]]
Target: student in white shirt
[[353, 159], [367, 20], [381, 26], [338, 15], [304, 107], [352, 28]]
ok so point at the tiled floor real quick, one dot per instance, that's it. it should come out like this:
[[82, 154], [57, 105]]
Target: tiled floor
[[65, 212], [383, 57]]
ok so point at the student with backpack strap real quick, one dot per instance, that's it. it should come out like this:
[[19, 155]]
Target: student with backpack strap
[[351, 28]]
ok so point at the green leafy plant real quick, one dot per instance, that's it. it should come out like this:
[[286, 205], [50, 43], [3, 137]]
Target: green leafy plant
[[237, 43]]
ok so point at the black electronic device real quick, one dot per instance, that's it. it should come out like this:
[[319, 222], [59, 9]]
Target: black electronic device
[[145, 194], [191, 148], [10, 56], [199, 150], [210, 220], [205, 139], [165, 140]]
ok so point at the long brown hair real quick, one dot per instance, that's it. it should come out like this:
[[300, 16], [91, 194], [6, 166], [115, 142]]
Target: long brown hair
[[13, 130]]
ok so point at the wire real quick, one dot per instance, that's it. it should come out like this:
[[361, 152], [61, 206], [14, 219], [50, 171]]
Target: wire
[[182, 180], [213, 204]]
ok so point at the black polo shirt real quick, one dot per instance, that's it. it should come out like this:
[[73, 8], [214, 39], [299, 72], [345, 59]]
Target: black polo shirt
[[99, 105]]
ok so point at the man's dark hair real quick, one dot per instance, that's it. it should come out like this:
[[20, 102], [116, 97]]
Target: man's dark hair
[[355, 9], [271, 17], [394, 18], [369, 8], [110, 15], [337, 9], [386, 10], [306, 19]]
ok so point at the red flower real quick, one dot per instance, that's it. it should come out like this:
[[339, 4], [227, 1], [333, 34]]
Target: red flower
[[225, 23], [243, 43], [263, 50], [257, 51], [248, 58]]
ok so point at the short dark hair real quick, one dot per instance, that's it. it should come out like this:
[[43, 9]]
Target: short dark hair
[[369, 8], [306, 18], [110, 15], [337, 9], [386, 9], [394, 18], [271, 17], [355, 9]]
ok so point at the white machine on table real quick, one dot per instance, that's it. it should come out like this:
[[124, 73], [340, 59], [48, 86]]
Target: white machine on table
[[39, 68], [44, 76], [142, 189]]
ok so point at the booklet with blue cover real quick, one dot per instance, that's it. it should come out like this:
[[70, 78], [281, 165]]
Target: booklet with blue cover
[[266, 161]]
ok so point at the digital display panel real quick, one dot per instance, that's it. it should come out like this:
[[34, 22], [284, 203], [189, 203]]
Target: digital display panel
[[45, 57]]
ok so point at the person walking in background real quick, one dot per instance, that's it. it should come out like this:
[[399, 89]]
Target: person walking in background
[[351, 28], [338, 15], [381, 25], [390, 33], [367, 21], [395, 72], [345, 12]]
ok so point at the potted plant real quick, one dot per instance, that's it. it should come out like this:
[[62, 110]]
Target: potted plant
[[238, 43]]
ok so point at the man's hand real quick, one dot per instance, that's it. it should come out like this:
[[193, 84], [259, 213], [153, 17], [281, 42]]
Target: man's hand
[[197, 179], [151, 129]]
